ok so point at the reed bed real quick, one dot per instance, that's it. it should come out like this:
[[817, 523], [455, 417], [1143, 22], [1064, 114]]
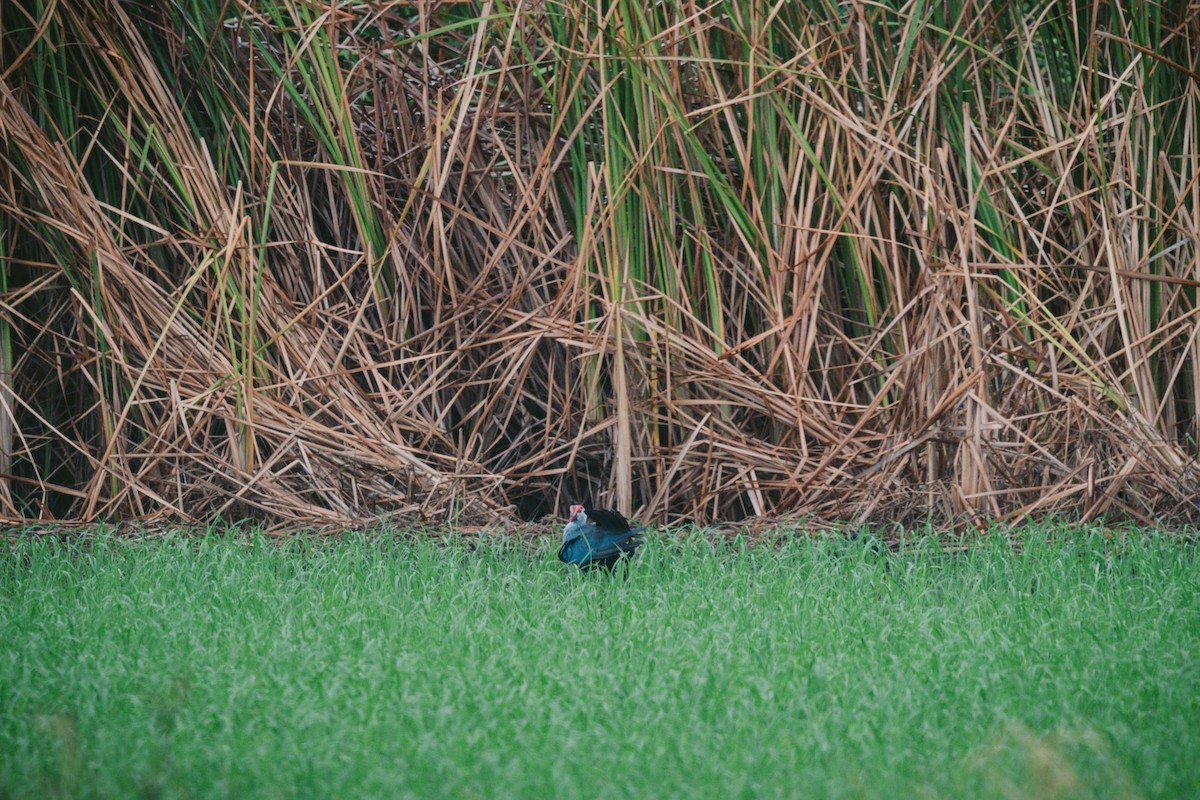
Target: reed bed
[[314, 261]]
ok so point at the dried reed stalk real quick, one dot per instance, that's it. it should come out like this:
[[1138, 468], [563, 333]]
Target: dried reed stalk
[[317, 263]]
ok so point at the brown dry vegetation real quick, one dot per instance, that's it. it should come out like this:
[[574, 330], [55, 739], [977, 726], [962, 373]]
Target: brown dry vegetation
[[304, 261]]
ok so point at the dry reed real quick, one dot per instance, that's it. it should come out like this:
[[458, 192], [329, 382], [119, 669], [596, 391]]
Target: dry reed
[[311, 262]]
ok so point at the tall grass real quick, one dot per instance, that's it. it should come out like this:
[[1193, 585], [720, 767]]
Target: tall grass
[[822, 669], [322, 261]]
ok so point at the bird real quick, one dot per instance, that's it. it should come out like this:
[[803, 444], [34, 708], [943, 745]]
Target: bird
[[596, 537]]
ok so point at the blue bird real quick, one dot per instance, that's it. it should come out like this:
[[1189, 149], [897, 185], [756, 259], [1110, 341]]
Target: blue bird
[[597, 538]]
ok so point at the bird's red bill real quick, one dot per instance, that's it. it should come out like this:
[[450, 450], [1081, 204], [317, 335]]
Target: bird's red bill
[[575, 510]]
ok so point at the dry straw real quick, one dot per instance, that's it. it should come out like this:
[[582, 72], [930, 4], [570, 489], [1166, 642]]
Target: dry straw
[[319, 262]]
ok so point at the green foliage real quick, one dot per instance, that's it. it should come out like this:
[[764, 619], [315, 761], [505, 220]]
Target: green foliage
[[387, 666]]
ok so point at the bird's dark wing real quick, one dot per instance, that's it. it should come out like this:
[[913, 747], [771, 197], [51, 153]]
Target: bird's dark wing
[[608, 519], [600, 549], [614, 545]]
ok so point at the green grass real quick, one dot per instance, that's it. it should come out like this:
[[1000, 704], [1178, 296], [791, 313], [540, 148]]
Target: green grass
[[224, 667]]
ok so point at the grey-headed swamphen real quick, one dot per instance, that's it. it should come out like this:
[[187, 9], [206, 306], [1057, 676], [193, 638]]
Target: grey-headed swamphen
[[597, 537]]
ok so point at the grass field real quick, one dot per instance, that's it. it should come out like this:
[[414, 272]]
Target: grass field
[[1067, 667]]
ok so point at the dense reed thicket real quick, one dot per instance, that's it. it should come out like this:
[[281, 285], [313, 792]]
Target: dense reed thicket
[[320, 261]]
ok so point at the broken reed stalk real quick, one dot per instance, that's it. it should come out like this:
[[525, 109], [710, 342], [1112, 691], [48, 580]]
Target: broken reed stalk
[[308, 262]]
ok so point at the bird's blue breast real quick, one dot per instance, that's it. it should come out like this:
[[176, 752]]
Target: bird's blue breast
[[576, 551]]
